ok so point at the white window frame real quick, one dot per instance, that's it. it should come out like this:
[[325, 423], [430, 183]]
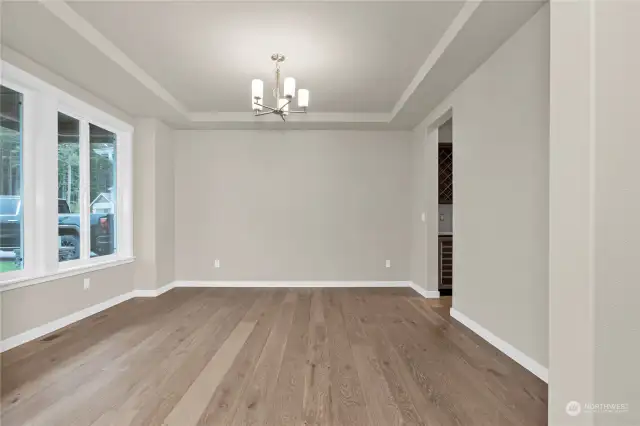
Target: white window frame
[[27, 191], [41, 104]]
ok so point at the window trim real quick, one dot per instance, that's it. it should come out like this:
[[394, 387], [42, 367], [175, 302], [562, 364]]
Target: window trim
[[41, 104], [84, 144], [63, 273], [29, 96]]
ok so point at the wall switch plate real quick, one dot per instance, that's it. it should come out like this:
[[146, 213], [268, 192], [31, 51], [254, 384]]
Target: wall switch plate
[[87, 283], [441, 218], [216, 263], [423, 217], [388, 264]]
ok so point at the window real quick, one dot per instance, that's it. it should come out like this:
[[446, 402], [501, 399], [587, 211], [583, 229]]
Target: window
[[89, 223], [68, 188], [65, 182], [102, 176], [11, 223]]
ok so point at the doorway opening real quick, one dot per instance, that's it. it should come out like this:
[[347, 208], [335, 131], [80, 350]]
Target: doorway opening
[[445, 207]]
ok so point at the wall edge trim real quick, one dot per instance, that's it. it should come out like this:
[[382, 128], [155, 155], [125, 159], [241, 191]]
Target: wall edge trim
[[509, 350]]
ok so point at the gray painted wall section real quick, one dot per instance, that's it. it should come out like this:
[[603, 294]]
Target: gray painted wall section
[[424, 234], [153, 204], [164, 205], [501, 157], [501, 152], [293, 205], [36, 305]]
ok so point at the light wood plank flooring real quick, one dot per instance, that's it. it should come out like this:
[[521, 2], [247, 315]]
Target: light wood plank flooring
[[195, 357]]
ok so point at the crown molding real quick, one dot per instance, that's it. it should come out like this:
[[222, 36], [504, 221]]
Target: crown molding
[[449, 35], [66, 14], [316, 117]]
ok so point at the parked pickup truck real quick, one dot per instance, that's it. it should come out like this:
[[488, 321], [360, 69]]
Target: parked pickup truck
[[68, 229]]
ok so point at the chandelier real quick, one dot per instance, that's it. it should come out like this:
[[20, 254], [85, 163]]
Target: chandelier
[[282, 102]]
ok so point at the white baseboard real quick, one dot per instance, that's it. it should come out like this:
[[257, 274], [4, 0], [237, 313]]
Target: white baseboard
[[35, 333], [165, 288], [285, 284], [513, 353], [154, 293], [38, 332], [427, 294]]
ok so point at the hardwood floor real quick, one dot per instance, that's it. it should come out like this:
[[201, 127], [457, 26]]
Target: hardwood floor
[[269, 357]]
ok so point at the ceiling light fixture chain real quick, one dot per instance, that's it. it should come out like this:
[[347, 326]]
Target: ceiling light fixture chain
[[276, 90], [282, 103]]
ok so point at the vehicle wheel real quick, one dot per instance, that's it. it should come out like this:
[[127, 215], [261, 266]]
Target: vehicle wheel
[[71, 241]]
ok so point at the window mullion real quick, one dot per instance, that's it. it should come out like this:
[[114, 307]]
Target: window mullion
[[85, 192], [42, 220], [30, 135]]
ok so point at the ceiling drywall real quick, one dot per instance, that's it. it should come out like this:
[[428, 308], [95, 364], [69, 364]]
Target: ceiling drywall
[[367, 64]]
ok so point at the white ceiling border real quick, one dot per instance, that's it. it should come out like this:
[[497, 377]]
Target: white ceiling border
[[449, 35], [316, 117], [66, 14], [77, 23]]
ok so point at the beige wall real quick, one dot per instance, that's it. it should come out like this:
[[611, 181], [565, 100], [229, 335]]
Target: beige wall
[[595, 206], [501, 180], [36, 305], [617, 236], [144, 203], [294, 205], [617, 335], [424, 180], [571, 319], [153, 204], [501, 150], [165, 218], [419, 196]]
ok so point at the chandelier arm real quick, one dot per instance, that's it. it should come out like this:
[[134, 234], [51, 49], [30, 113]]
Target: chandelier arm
[[266, 106], [288, 102], [263, 113], [282, 116]]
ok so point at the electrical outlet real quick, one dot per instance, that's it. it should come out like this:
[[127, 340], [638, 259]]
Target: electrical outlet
[[388, 264], [441, 218], [87, 283], [216, 263]]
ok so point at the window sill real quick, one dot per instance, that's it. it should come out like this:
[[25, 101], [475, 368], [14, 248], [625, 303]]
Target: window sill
[[64, 273]]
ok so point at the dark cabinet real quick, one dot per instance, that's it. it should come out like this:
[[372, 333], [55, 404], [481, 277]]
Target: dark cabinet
[[445, 262]]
